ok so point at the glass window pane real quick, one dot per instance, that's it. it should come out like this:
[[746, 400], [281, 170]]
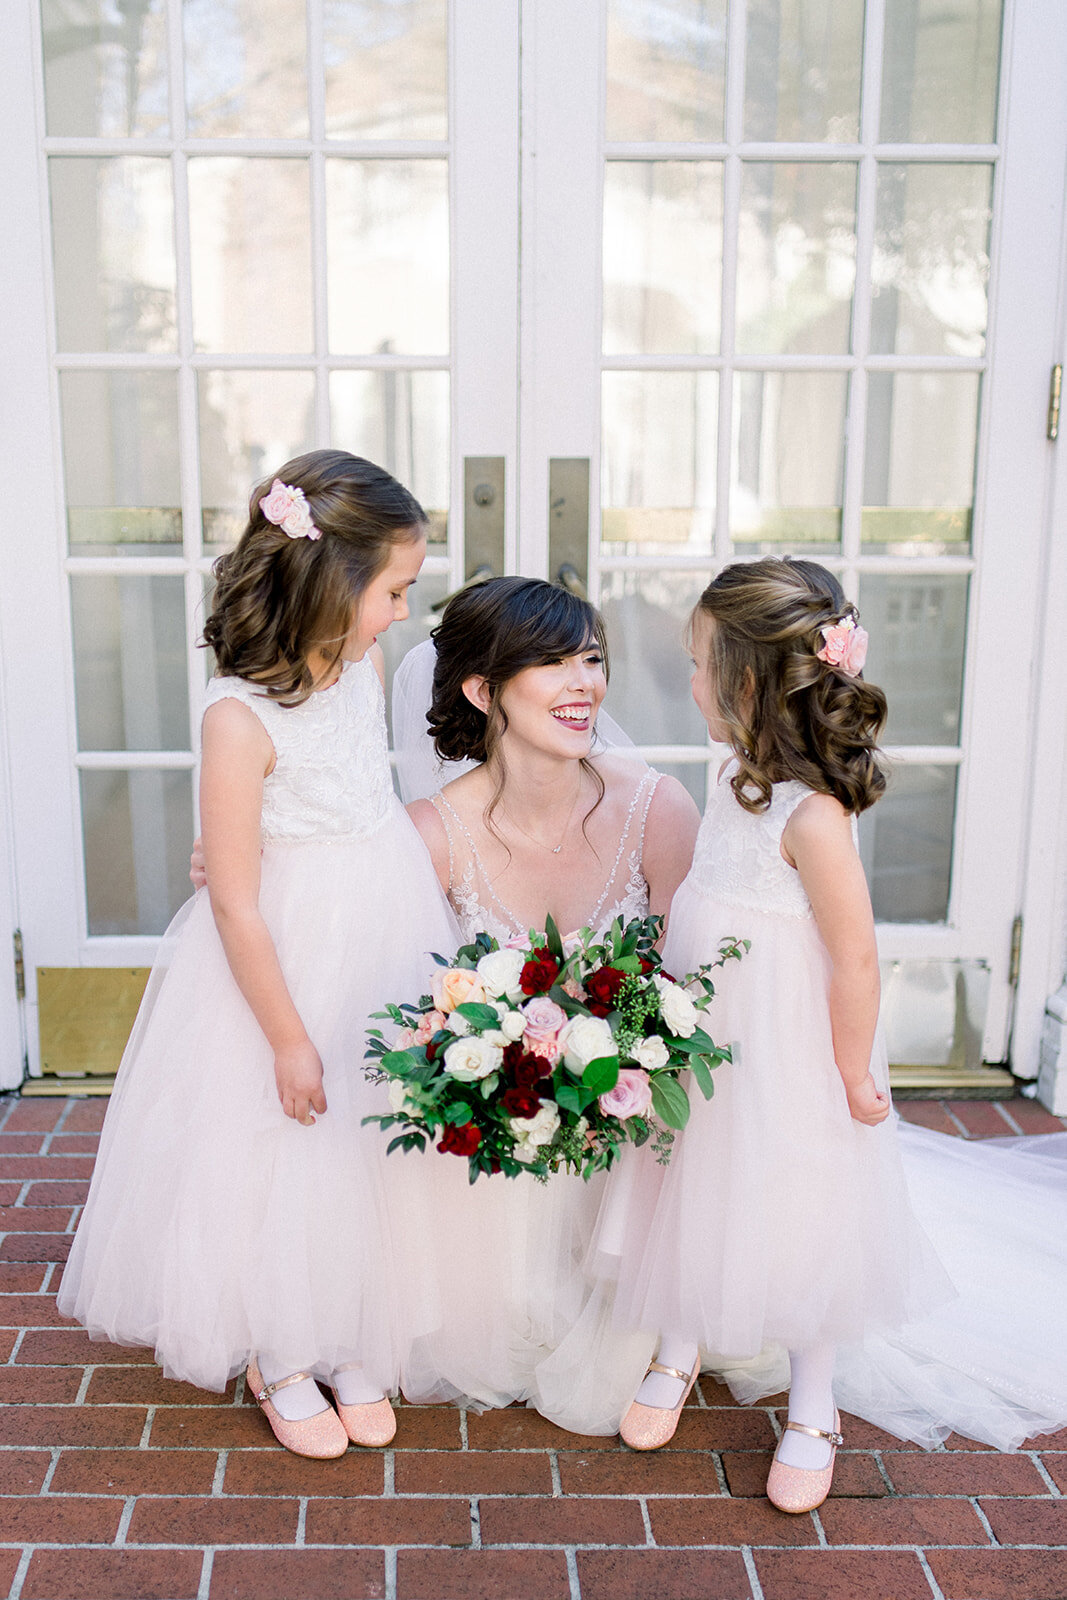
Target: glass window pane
[[788, 460], [137, 829], [918, 629], [250, 238], [113, 237], [666, 69], [646, 615], [906, 845], [387, 251], [796, 257], [662, 256], [918, 476], [120, 459], [802, 69], [400, 419], [386, 69], [105, 68], [129, 662], [941, 65], [658, 463], [245, 72], [250, 422], [930, 271]]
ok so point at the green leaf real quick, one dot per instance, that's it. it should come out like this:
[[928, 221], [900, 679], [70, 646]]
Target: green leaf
[[458, 1115], [670, 1101], [601, 1075], [570, 1097], [701, 1068], [400, 1062], [478, 1015], [555, 943]]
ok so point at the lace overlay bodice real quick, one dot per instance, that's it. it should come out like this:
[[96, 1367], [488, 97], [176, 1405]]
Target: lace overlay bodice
[[331, 774], [480, 909], [738, 859]]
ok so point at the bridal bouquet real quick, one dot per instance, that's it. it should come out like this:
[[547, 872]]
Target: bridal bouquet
[[544, 1054]]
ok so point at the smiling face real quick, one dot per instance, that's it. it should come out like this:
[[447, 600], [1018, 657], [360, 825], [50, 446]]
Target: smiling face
[[551, 708]]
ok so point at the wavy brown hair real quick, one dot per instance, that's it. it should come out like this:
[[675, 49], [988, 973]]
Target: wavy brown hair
[[495, 630], [277, 599], [788, 714]]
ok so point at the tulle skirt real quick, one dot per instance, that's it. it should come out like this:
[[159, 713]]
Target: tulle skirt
[[217, 1227]]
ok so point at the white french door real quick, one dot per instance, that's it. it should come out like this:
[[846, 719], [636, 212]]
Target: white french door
[[622, 291]]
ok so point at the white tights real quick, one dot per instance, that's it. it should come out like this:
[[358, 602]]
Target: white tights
[[298, 1401]]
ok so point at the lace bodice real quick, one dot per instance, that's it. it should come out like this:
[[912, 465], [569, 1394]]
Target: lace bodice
[[480, 910], [331, 775], [738, 859]]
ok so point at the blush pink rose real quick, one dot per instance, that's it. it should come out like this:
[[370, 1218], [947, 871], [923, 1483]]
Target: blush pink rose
[[455, 986], [544, 1020], [572, 987], [631, 1096], [845, 646], [430, 1022], [404, 1039], [288, 509]]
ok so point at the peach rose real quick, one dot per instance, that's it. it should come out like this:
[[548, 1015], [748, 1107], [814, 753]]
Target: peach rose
[[455, 986], [430, 1022]]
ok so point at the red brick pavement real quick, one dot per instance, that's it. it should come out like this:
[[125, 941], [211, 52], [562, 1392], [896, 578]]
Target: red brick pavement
[[117, 1484]]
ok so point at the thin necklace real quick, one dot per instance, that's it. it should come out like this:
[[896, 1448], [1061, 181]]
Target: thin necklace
[[556, 848]]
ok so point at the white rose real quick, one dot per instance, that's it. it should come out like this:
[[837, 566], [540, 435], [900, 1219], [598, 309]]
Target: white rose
[[651, 1053], [500, 971], [533, 1132], [676, 1008], [456, 1024], [586, 1039], [496, 1036], [473, 1058], [399, 1099], [513, 1024]]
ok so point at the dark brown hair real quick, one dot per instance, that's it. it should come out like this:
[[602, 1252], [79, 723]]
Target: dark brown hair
[[789, 715], [495, 630], [278, 598]]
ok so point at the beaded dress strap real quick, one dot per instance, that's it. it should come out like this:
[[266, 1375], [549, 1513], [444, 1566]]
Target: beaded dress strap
[[434, 798]]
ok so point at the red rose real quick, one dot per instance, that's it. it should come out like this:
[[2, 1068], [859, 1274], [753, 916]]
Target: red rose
[[602, 987], [521, 1068], [520, 1103], [646, 965], [539, 974], [460, 1141]]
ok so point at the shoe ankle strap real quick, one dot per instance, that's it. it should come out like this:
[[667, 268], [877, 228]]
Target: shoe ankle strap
[[670, 1372], [816, 1433], [283, 1383]]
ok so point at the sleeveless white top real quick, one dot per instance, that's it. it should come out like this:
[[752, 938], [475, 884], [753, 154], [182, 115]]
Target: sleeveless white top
[[481, 910], [331, 775]]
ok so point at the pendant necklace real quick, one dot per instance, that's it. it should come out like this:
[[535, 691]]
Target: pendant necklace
[[553, 849]]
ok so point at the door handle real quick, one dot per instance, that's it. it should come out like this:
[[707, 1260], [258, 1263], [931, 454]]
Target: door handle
[[479, 576]]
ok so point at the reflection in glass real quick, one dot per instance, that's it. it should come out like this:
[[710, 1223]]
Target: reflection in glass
[[245, 68], [250, 423], [113, 236], [802, 69], [933, 1011], [930, 270], [658, 462], [940, 71], [662, 256], [120, 459], [666, 69], [400, 419], [386, 69], [918, 630], [796, 257], [918, 475], [788, 459], [105, 68], [250, 238], [136, 828], [646, 615], [129, 662], [387, 253], [906, 845]]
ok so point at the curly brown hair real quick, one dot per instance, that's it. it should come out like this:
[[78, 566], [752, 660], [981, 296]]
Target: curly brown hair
[[789, 715], [277, 598]]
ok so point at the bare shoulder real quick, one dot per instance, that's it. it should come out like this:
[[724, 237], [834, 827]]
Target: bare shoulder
[[427, 819], [230, 725], [819, 824], [673, 806]]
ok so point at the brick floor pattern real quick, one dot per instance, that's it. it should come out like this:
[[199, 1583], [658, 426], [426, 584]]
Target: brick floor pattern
[[117, 1484]]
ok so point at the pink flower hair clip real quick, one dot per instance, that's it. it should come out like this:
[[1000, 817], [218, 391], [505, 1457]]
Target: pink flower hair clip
[[287, 508], [845, 646]]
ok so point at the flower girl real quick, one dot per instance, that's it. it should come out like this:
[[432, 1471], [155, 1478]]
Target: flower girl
[[237, 1213], [783, 1217]]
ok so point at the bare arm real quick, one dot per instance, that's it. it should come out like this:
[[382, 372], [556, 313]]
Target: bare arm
[[670, 835], [237, 755], [818, 841], [427, 820]]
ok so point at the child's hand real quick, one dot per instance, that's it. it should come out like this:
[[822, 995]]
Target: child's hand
[[866, 1102], [196, 864], [298, 1074]]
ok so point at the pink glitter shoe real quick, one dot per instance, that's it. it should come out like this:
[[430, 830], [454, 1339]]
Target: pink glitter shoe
[[322, 1436], [803, 1488], [372, 1424], [651, 1427]]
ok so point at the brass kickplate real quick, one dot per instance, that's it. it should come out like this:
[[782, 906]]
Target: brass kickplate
[[84, 1016]]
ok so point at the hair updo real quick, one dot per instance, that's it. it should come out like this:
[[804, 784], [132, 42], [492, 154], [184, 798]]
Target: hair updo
[[789, 715], [278, 598]]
